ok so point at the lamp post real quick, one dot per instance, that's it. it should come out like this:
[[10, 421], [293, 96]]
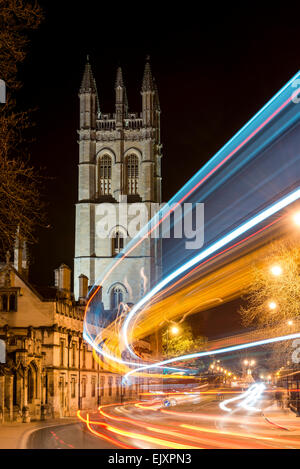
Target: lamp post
[[249, 364]]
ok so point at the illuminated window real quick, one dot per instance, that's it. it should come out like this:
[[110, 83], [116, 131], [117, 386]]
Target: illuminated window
[[132, 174], [105, 175]]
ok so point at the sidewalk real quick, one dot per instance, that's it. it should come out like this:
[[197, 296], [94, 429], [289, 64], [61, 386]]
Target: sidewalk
[[282, 417], [14, 435]]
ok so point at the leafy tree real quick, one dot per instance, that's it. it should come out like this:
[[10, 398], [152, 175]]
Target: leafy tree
[[20, 205], [174, 345]]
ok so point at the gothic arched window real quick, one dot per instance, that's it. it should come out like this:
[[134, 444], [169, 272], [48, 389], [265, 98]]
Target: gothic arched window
[[105, 175], [117, 297], [132, 174], [118, 243]]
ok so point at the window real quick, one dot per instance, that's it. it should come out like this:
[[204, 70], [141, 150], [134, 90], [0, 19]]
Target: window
[[105, 175], [110, 386], [74, 354], [93, 386], [73, 387], [118, 243], [8, 302], [62, 347], [117, 386], [102, 385], [83, 382], [83, 356], [132, 174], [116, 297]]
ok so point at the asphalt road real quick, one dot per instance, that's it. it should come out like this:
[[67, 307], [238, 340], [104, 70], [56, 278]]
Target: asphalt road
[[187, 425], [72, 436]]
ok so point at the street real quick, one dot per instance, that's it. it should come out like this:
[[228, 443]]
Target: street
[[190, 424]]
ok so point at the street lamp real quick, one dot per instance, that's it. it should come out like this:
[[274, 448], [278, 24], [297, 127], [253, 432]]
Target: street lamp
[[174, 330], [296, 218], [276, 270], [290, 322], [272, 305]]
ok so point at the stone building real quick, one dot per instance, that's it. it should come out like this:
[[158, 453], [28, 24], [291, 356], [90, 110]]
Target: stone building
[[49, 371], [119, 160]]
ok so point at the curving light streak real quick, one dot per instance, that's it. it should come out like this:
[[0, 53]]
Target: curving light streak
[[274, 208], [218, 160], [247, 398], [233, 348]]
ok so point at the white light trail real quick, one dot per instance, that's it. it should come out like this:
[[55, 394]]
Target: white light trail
[[248, 398]]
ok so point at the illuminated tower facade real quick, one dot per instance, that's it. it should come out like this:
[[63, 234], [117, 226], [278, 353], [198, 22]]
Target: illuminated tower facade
[[119, 155]]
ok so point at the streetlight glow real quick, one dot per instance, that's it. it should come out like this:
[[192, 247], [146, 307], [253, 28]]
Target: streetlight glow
[[276, 270], [174, 330], [296, 218], [272, 305]]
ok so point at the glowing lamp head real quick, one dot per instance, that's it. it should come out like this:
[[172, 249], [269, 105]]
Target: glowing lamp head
[[290, 322], [276, 270], [174, 330], [296, 218], [272, 305], [246, 362]]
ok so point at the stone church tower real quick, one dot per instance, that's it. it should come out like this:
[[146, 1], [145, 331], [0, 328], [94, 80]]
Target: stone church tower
[[119, 155]]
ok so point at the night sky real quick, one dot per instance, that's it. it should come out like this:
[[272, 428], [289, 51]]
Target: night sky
[[214, 70]]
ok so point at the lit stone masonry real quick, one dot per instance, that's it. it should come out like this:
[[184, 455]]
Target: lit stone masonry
[[119, 156]]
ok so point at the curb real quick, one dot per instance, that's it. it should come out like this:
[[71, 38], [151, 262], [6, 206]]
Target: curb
[[23, 442], [275, 424]]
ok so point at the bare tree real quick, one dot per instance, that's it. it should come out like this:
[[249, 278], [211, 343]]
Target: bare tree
[[19, 182], [273, 300]]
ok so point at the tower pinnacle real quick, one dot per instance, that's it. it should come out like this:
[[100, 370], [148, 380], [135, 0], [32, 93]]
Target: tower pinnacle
[[88, 84], [148, 84], [119, 78]]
